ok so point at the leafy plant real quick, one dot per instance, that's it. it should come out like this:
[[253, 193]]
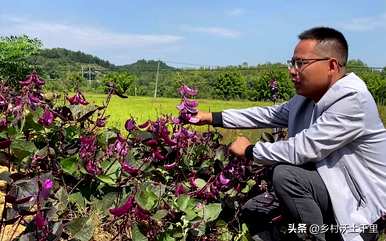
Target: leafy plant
[[160, 180]]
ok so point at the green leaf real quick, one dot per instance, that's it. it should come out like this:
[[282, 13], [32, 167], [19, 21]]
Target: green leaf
[[69, 165], [107, 179], [22, 148], [200, 183], [104, 204], [81, 228], [62, 197], [185, 202], [209, 212], [105, 137], [112, 172], [137, 235], [78, 199], [160, 214], [146, 198]]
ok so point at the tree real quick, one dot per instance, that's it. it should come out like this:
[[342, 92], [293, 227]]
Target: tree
[[122, 80], [230, 85], [14, 54]]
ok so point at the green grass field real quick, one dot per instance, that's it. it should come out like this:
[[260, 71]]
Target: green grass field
[[148, 108]]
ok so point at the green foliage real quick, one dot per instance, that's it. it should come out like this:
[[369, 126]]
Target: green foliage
[[229, 85], [14, 54], [122, 80]]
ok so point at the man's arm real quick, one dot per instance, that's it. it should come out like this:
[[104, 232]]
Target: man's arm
[[341, 124], [255, 117]]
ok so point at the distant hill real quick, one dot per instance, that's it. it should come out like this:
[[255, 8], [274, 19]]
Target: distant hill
[[55, 63], [145, 65]]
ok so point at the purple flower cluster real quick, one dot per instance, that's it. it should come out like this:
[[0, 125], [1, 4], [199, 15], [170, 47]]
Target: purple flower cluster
[[77, 99], [32, 79], [87, 152], [119, 148], [273, 86], [187, 107], [47, 118]]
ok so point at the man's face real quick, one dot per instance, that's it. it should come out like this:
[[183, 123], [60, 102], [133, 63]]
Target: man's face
[[311, 79]]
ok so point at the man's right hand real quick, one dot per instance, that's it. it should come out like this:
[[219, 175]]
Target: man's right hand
[[204, 118]]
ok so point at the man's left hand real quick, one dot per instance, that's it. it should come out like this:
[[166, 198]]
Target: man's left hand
[[239, 146]]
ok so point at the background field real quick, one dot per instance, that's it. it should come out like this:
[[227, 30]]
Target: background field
[[148, 108]]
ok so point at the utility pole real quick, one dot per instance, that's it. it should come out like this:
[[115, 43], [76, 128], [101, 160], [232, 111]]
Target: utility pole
[[156, 81]]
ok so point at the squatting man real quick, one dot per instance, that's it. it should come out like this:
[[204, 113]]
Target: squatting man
[[332, 167]]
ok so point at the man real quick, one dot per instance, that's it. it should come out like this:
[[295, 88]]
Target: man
[[335, 156]]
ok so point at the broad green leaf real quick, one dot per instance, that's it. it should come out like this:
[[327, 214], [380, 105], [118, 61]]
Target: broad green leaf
[[77, 199], [185, 203], [104, 204], [69, 165], [146, 198], [109, 180], [137, 235], [81, 228], [22, 148], [105, 137], [160, 214], [200, 183], [210, 211]]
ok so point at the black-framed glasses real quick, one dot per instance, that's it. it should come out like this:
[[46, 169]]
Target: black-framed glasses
[[298, 63]]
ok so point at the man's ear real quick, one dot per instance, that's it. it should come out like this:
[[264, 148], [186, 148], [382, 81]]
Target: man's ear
[[334, 66]]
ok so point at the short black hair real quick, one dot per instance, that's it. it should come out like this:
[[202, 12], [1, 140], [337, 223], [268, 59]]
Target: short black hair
[[331, 42]]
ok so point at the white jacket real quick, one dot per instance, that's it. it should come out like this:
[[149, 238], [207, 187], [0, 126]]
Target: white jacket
[[342, 133]]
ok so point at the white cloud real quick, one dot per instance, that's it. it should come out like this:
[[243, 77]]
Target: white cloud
[[235, 12], [88, 39], [217, 31], [365, 23]]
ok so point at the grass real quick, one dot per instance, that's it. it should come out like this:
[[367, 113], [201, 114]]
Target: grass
[[148, 108]]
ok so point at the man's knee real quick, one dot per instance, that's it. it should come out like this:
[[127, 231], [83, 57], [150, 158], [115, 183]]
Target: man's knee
[[282, 176]]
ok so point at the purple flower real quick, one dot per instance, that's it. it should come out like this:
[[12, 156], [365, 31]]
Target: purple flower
[[130, 169], [92, 168], [3, 124], [101, 122], [145, 125], [34, 99], [130, 125], [87, 147], [87, 154], [274, 89], [185, 90], [158, 155], [46, 189], [179, 190], [5, 143], [40, 221], [32, 78], [3, 103], [47, 118], [77, 99], [119, 147], [141, 214], [223, 180], [125, 208], [170, 166]]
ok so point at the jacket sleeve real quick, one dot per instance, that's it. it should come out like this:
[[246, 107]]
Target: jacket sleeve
[[257, 117], [337, 126]]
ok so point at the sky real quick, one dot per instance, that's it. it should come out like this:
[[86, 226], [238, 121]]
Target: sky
[[193, 33]]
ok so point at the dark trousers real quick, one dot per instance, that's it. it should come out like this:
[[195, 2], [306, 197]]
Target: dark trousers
[[304, 197]]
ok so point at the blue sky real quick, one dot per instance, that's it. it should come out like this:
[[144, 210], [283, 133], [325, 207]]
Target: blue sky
[[205, 33]]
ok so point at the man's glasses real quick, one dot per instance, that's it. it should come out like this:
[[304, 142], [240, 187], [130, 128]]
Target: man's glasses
[[299, 63]]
